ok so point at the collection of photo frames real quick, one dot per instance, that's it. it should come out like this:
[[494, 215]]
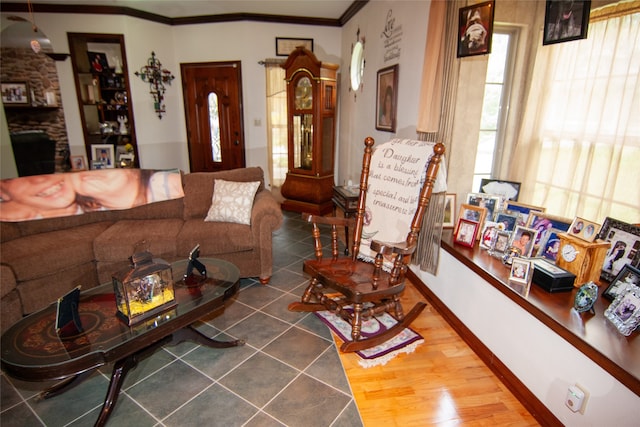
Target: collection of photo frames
[[104, 156], [563, 21], [526, 235]]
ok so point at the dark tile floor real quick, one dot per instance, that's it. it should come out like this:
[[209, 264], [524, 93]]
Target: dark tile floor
[[287, 374]]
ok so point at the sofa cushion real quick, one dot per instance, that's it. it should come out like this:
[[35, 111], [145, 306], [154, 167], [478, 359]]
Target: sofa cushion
[[7, 280], [41, 254], [232, 201], [198, 188], [126, 237], [9, 231], [214, 237]]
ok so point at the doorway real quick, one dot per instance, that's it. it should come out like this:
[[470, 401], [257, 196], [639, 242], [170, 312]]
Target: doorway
[[213, 109]]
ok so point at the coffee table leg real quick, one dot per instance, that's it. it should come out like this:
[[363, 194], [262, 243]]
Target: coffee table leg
[[120, 370], [63, 385], [189, 333]]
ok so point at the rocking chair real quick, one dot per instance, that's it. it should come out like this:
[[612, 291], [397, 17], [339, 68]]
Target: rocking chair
[[356, 289]]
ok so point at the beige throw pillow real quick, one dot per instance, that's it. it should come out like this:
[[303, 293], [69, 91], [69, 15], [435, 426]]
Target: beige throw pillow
[[232, 201]]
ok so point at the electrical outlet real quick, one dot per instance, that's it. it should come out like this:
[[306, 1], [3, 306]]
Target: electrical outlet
[[585, 399], [576, 398]]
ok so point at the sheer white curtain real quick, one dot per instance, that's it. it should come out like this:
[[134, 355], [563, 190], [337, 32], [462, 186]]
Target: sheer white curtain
[[579, 148], [276, 121]]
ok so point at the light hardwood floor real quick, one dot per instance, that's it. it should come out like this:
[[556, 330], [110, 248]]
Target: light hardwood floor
[[443, 383]]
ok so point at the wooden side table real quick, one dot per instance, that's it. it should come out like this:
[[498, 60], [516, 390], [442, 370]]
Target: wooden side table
[[346, 198]]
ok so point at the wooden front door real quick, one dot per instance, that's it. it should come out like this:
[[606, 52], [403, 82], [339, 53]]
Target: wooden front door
[[213, 109]]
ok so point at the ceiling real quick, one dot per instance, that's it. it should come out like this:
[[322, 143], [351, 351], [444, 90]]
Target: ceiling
[[177, 11]]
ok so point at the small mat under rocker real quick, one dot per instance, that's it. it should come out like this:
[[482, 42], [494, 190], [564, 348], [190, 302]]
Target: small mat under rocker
[[405, 342]]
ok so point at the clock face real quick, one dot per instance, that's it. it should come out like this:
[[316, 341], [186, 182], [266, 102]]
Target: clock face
[[569, 252]]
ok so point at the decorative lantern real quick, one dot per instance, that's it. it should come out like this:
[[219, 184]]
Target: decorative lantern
[[144, 289]]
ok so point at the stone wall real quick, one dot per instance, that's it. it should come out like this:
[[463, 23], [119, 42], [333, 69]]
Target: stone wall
[[39, 71]]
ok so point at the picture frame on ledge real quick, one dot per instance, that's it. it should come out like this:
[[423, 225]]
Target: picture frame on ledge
[[78, 163], [565, 21], [624, 311], [387, 98], [625, 247], [583, 229], [103, 154], [509, 190], [628, 276], [466, 232], [15, 93]]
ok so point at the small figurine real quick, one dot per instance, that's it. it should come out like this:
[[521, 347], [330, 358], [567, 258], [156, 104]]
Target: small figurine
[[123, 125]]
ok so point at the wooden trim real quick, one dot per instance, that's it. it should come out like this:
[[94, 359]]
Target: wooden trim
[[529, 400], [187, 20]]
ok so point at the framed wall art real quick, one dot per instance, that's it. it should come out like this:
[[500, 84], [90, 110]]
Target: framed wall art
[[387, 98], [565, 20], [509, 190], [15, 93], [625, 247], [286, 45], [475, 28], [449, 211]]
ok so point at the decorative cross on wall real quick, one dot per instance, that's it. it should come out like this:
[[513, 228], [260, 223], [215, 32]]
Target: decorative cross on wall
[[156, 76]]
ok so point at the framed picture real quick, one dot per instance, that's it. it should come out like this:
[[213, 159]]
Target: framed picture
[[489, 234], [523, 239], [509, 190], [549, 248], [387, 98], [466, 232], [565, 20], [628, 276], [624, 311], [15, 93], [104, 154], [490, 202], [449, 211], [509, 221], [475, 28], [286, 45], [523, 210], [544, 223], [625, 247], [473, 213], [78, 163], [98, 61], [502, 243], [521, 271], [583, 229]]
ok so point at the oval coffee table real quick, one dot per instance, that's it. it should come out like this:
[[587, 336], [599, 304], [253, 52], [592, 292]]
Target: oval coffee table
[[33, 351]]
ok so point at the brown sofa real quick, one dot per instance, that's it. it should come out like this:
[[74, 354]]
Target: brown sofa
[[40, 260]]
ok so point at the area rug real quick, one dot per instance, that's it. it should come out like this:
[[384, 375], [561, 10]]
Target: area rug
[[405, 342]]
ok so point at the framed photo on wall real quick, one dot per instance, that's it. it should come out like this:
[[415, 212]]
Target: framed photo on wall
[[15, 93], [387, 98], [102, 155], [449, 219], [475, 28], [286, 45], [565, 20]]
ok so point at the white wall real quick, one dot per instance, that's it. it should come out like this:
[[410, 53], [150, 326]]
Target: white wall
[[162, 143], [357, 110], [541, 359]]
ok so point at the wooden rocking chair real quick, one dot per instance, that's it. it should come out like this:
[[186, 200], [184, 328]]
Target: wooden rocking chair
[[357, 290]]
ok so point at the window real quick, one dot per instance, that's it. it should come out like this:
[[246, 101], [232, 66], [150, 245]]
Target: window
[[495, 105], [276, 122], [579, 148]]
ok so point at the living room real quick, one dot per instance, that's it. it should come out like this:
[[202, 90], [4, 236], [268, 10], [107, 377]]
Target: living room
[[162, 145]]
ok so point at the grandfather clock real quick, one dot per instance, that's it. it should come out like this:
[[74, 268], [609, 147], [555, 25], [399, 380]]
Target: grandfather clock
[[311, 105]]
